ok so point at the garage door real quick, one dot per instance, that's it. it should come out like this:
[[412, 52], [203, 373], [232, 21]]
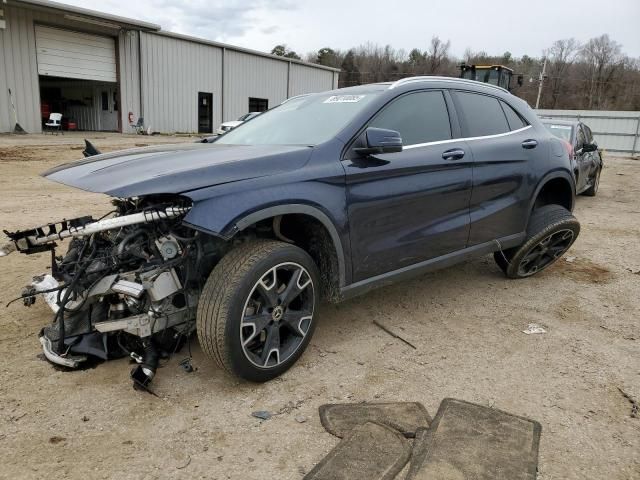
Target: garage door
[[67, 54]]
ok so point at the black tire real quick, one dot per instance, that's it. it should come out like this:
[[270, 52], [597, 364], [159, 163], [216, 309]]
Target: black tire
[[594, 184], [234, 284], [551, 232]]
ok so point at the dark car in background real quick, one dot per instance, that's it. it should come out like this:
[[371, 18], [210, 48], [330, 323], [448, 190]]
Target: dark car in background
[[584, 152], [328, 195]]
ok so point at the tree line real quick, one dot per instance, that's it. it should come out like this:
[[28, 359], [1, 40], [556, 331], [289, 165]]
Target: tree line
[[596, 75]]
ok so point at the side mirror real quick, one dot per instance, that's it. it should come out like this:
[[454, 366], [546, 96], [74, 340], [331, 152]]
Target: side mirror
[[589, 147], [380, 140]]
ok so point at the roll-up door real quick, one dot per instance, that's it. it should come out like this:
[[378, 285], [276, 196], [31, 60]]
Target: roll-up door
[[68, 54]]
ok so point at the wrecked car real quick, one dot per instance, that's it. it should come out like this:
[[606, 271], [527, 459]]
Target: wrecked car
[[328, 196]]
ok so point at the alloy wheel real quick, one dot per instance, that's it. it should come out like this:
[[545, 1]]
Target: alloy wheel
[[277, 315], [545, 252]]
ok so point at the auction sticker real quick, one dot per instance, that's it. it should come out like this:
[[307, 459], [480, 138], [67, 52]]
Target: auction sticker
[[344, 99]]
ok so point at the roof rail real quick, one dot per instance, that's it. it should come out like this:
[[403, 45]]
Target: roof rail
[[404, 81]]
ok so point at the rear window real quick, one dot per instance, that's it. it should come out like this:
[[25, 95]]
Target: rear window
[[560, 131], [482, 115], [513, 117]]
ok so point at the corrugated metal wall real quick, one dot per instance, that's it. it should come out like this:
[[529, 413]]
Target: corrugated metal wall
[[615, 131], [19, 70], [305, 79], [247, 75], [128, 54], [173, 72]]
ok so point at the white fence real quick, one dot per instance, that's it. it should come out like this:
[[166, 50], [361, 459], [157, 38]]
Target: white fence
[[615, 132]]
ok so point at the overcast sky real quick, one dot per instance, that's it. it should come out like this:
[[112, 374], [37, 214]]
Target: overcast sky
[[307, 25]]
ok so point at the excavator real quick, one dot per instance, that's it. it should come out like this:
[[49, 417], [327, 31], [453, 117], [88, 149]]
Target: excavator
[[494, 74]]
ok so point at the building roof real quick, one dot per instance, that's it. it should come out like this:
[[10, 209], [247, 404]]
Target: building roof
[[114, 21]]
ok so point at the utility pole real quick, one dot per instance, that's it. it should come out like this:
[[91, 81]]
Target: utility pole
[[541, 81]]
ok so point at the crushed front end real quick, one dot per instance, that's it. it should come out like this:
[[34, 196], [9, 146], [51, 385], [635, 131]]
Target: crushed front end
[[128, 284]]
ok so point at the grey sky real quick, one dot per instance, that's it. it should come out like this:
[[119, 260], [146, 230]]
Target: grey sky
[[304, 25]]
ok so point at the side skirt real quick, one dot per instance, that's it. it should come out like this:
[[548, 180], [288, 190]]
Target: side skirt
[[430, 265]]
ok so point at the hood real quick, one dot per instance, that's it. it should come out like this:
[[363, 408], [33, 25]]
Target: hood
[[176, 168]]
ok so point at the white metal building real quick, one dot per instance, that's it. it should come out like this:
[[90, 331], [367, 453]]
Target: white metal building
[[103, 72]]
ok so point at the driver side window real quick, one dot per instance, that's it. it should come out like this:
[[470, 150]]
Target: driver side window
[[419, 117]]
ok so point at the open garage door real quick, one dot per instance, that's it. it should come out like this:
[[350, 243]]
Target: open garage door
[[68, 54]]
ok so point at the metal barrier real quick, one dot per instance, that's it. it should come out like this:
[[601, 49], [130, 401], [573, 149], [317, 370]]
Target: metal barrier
[[615, 131]]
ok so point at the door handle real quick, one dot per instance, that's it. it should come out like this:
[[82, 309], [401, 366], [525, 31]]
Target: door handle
[[453, 154], [530, 143]]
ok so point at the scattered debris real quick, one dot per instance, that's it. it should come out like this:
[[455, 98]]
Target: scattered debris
[[186, 365], [635, 408], [394, 335], [262, 414], [301, 419], [534, 328], [570, 259], [85, 418], [185, 465], [635, 272], [56, 439]]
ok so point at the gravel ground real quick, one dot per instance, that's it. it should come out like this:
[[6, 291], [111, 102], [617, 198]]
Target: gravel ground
[[466, 323]]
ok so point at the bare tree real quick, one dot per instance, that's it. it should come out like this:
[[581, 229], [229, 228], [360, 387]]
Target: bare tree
[[438, 51], [561, 55], [602, 58]]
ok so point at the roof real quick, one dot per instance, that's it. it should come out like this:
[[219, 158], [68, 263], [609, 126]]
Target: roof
[[91, 14], [114, 21]]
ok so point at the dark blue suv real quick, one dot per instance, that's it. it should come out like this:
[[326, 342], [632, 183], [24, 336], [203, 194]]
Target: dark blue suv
[[327, 195]]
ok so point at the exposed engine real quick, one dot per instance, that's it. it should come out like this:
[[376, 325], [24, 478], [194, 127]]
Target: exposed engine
[[128, 284]]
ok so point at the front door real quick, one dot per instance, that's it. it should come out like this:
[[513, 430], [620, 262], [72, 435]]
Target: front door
[[205, 112], [410, 206]]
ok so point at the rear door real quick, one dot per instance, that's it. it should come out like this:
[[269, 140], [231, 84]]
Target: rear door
[[410, 206], [504, 149]]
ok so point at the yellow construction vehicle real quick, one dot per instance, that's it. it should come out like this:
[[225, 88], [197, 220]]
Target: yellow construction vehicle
[[494, 74]]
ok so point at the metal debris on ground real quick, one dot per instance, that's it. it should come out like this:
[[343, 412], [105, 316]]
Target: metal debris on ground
[[394, 335], [534, 328], [570, 259], [262, 414]]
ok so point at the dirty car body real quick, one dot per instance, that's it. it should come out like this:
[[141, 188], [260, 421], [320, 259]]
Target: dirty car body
[[322, 198]]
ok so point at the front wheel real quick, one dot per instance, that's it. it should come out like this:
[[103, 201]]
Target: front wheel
[[552, 230], [256, 314]]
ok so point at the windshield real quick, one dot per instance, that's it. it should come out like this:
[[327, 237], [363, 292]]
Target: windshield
[[560, 131], [308, 120]]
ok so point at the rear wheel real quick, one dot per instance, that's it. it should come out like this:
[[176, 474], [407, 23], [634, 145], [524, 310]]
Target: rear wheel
[[257, 310], [552, 230], [594, 183]]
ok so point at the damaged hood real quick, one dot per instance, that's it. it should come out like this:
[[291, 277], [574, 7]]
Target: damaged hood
[[176, 168]]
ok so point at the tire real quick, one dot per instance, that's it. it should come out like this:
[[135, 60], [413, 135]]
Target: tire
[[245, 310], [595, 183], [551, 232]]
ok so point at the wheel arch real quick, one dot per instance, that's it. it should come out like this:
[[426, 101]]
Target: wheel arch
[[555, 188], [310, 211]]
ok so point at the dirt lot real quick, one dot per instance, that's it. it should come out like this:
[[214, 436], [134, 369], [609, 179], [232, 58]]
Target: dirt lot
[[466, 322]]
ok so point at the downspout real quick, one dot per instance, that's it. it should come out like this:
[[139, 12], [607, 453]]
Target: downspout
[[222, 93]]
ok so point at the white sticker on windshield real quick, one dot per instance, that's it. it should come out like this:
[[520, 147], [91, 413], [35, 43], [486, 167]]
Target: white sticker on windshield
[[561, 127], [344, 99]]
